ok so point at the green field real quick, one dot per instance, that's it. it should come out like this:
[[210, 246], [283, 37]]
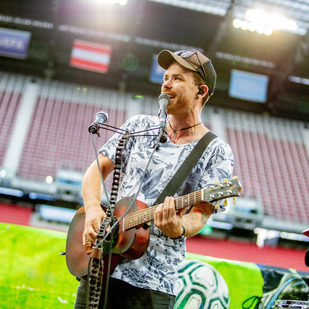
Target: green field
[[33, 274]]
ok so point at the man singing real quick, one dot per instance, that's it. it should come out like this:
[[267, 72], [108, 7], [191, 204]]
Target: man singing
[[149, 281]]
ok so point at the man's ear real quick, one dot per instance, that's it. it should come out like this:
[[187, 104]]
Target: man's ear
[[202, 90]]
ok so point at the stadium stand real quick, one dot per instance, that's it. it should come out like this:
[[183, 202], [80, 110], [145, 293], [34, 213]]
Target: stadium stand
[[271, 159], [272, 162], [58, 137], [11, 88]]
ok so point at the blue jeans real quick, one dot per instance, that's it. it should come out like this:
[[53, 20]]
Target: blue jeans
[[125, 296]]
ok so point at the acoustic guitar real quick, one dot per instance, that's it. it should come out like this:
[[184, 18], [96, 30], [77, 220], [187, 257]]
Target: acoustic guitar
[[132, 234]]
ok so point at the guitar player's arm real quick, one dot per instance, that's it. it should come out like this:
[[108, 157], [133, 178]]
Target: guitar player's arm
[[92, 190], [195, 220]]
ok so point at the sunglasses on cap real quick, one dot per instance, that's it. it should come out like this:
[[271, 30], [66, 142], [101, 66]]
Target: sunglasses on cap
[[189, 53]]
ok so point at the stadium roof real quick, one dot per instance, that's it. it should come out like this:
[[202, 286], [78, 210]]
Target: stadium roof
[[268, 37]]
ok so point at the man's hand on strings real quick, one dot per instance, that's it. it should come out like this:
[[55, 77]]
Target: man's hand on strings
[[167, 219]]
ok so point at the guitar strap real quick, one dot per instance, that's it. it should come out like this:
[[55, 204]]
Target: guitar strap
[[186, 167]]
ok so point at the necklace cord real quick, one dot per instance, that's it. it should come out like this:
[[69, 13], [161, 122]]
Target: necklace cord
[[182, 128]]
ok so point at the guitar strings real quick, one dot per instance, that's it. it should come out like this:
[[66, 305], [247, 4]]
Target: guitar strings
[[146, 215]]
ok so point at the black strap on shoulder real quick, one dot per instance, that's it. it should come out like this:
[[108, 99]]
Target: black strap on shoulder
[[186, 167]]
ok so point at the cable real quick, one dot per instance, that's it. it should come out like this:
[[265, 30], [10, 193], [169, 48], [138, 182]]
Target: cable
[[134, 200], [101, 175]]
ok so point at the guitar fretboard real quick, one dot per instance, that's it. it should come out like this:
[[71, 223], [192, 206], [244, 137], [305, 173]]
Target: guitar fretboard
[[213, 193], [145, 215]]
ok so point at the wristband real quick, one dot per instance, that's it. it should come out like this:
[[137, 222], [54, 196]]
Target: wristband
[[183, 233]]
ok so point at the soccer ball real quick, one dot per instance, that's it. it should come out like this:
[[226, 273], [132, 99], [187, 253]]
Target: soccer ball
[[201, 286]]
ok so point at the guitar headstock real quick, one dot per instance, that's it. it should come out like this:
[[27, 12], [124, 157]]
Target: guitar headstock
[[220, 191]]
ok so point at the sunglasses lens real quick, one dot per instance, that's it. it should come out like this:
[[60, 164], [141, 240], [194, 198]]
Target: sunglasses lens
[[185, 53]]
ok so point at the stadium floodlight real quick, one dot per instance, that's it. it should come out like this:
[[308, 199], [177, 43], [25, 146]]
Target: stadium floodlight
[[49, 179], [264, 23], [2, 173], [111, 2], [270, 20], [244, 25], [268, 31], [252, 26], [237, 22], [106, 1]]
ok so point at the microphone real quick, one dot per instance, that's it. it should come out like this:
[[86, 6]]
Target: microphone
[[100, 118], [164, 100]]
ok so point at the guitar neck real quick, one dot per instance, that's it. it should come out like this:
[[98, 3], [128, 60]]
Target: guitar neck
[[146, 215], [230, 188]]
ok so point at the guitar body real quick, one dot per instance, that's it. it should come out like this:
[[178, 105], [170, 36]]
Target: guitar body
[[131, 237], [128, 244]]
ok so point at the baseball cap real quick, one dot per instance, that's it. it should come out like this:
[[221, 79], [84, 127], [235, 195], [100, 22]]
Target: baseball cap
[[193, 60]]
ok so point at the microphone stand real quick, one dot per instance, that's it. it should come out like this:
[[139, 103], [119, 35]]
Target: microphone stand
[[96, 264]]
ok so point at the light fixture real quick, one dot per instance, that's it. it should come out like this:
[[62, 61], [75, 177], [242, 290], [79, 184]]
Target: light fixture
[[49, 179], [112, 2], [2, 173], [272, 20], [252, 26], [122, 2], [264, 23]]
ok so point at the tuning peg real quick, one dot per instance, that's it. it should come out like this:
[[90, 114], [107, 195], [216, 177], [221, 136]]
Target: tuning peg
[[234, 200], [235, 177], [226, 203], [217, 206], [225, 180], [216, 182]]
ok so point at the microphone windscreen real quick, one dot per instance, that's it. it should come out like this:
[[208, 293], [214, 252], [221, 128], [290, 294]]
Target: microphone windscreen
[[164, 96], [101, 117]]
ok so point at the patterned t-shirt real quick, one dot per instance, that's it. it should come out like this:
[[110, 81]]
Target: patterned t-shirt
[[158, 268]]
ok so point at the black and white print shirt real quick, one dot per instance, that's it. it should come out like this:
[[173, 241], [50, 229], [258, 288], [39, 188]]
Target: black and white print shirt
[[158, 268]]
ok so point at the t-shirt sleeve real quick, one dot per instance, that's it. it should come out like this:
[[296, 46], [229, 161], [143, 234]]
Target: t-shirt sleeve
[[219, 168]]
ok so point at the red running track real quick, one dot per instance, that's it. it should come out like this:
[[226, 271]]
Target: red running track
[[248, 252]]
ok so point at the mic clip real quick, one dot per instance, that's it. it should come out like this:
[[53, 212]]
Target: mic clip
[[94, 129], [163, 133]]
